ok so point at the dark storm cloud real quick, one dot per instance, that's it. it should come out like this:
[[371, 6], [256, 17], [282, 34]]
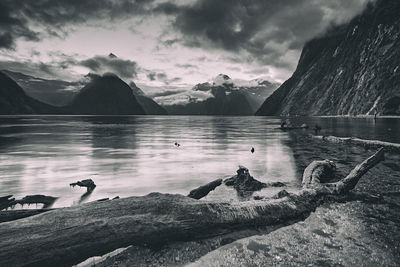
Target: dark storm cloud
[[257, 26], [54, 16], [12, 27], [121, 67]]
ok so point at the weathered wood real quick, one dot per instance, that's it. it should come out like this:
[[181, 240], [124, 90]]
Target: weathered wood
[[47, 201], [8, 202], [373, 144], [11, 215], [88, 183], [318, 173], [203, 190], [245, 184], [351, 180], [68, 236]]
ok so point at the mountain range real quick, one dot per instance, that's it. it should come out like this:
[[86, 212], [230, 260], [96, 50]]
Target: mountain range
[[109, 95], [102, 95], [227, 97], [353, 69]]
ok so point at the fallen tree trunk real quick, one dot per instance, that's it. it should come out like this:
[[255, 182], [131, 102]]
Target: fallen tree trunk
[[68, 236], [373, 144], [11, 215], [8, 202]]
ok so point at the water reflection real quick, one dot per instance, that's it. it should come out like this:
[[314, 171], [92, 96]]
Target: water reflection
[[136, 155]]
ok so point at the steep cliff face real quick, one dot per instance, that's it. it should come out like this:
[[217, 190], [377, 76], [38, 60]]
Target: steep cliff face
[[353, 69]]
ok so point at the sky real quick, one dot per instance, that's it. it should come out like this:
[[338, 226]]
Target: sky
[[163, 45]]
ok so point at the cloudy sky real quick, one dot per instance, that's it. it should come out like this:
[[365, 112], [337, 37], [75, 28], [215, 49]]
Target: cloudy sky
[[163, 45]]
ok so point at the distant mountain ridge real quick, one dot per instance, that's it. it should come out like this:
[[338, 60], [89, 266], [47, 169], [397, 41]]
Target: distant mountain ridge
[[353, 69], [228, 98], [13, 100]]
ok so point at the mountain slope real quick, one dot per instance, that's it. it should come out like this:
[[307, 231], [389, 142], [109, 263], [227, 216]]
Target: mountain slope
[[13, 100], [106, 95], [53, 92], [353, 69], [150, 106]]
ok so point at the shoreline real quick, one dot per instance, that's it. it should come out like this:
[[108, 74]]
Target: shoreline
[[251, 213]]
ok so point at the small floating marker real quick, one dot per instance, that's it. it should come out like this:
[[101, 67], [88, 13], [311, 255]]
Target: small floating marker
[[252, 150]]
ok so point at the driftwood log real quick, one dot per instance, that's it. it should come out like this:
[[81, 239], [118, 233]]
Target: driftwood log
[[245, 185], [88, 183], [8, 202], [67, 236], [372, 144], [11, 215], [203, 190]]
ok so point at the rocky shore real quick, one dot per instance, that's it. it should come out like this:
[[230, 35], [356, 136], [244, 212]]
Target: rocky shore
[[360, 231], [176, 230]]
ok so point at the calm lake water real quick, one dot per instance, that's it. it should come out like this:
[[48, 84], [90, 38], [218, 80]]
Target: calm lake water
[[136, 155]]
